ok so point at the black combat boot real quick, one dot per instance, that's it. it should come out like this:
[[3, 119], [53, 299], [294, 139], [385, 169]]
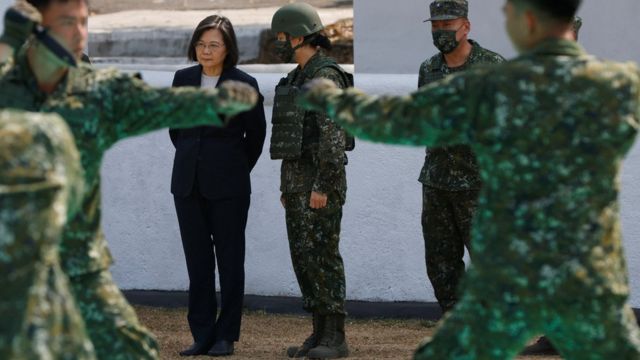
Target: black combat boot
[[332, 343], [311, 341]]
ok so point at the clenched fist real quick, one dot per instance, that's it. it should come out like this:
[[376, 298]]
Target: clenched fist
[[235, 97], [316, 93], [19, 23]]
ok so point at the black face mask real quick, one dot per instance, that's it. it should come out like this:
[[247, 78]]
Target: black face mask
[[445, 40], [285, 51]]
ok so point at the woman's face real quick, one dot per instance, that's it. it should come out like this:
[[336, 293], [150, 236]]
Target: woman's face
[[210, 49]]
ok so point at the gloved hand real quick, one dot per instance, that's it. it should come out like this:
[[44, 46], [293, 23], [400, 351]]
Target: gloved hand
[[19, 23], [235, 97], [316, 93]]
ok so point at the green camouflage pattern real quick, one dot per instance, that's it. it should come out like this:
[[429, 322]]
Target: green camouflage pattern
[[40, 180], [314, 237], [446, 228], [453, 167], [550, 130], [111, 322], [320, 166], [101, 108], [314, 234], [448, 10]]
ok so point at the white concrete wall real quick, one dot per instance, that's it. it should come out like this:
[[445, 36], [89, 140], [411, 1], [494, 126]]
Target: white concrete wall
[[381, 238], [4, 4], [381, 241]]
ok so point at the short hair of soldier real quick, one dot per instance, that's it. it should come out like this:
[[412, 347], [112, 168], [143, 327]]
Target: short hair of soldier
[[559, 10], [228, 35], [43, 4]]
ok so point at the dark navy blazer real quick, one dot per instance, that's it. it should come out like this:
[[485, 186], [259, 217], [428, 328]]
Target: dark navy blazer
[[217, 160]]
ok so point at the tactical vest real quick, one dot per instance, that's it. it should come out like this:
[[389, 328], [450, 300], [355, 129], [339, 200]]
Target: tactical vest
[[288, 118]]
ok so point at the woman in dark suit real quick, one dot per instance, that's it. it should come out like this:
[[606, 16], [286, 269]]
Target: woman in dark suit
[[211, 189]]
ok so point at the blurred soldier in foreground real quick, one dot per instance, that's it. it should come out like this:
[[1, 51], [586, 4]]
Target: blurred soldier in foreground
[[550, 129], [40, 183], [543, 346], [313, 179], [450, 178], [101, 108]]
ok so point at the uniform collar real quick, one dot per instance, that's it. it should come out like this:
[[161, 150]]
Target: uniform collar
[[475, 52], [557, 47], [23, 73]]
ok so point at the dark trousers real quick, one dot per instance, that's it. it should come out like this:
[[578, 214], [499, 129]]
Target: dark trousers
[[446, 227], [214, 230]]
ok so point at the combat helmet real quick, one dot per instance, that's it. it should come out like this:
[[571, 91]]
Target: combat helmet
[[297, 19]]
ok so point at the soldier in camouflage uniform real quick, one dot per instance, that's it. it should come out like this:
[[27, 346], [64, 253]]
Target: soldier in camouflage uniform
[[542, 346], [449, 177], [313, 179], [40, 183], [102, 107], [550, 130]]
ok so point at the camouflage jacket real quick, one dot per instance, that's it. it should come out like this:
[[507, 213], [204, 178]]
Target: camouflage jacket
[[102, 107], [321, 167], [40, 180], [452, 167], [550, 130]]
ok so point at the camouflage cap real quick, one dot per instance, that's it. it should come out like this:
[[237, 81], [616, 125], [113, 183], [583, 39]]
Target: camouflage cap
[[448, 10]]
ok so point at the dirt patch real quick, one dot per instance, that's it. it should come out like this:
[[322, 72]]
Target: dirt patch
[[266, 336]]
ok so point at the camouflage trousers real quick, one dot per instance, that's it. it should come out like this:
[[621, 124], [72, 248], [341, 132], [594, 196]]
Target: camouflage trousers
[[314, 237], [111, 322], [38, 316], [496, 325], [446, 227]]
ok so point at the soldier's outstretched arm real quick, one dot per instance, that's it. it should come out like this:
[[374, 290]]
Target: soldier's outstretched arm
[[138, 108], [20, 21], [438, 114]]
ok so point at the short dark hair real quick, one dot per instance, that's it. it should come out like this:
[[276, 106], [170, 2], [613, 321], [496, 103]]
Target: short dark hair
[[563, 10], [228, 35], [43, 4]]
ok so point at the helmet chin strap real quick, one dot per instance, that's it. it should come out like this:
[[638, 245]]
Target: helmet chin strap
[[54, 46]]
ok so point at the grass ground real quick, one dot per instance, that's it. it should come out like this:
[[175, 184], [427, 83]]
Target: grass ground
[[266, 336]]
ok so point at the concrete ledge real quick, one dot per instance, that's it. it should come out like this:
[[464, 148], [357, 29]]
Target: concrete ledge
[[293, 305]]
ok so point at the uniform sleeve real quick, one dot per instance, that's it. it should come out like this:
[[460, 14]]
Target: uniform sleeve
[[421, 74], [137, 108], [331, 144], [438, 114], [255, 130]]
